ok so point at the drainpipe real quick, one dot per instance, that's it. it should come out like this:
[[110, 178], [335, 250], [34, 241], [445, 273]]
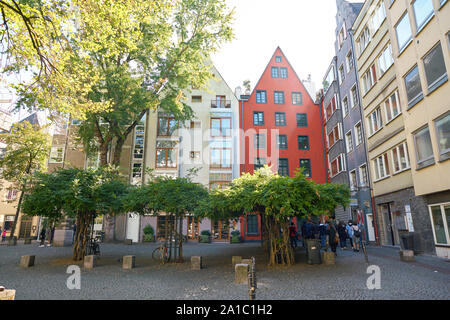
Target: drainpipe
[[363, 132]]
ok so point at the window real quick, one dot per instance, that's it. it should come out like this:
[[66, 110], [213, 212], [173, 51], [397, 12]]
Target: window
[[280, 118], [353, 180], [137, 173], [413, 87], [282, 141], [278, 97], [443, 135], [381, 167], [283, 167], [196, 124], [435, 70], [337, 165], [331, 108], [303, 143], [440, 218], [278, 59], [274, 72], [363, 177], [345, 106], [302, 120], [56, 155], [354, 96], [375, 121], [166, 154], [259, 163], [166, 125], [258, 118], [220, 127], [334, 135], [138, 151], [358, 134], [252, 224], [76, 122], [196, 98], [297, 98], [221, 102], [342, 36], [220, 158], [369, 78], [392, 106], [283, 73], [423, 10], [400, 157], [261, 96], [378, 16], [11, 195], [349, 141], [341, 74], [329, 79], [363, 40], [349, 61], [403, 31], [424, 150], [259, 141], [306, 165], [385, 60]]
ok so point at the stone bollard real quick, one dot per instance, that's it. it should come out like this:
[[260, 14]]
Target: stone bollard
[[7, 294], [196, 263], [128, 262], [328, 257], [12, 242], [89, 262], [235, 260], [27, 261], [247, 261], [241, 273], [407, 255], [128, 241], [27, 241]]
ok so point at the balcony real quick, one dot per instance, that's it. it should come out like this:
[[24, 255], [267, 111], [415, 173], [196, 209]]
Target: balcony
[[221, 104]]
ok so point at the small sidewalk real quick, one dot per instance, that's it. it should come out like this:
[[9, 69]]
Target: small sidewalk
[[426, 261]]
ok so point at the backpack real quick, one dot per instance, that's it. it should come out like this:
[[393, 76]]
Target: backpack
[[357, 233]]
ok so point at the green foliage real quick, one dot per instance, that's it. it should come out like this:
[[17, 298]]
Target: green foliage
[[205, 233], [148, 230]]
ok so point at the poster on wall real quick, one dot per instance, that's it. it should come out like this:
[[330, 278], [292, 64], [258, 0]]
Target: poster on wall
[[409, 218]]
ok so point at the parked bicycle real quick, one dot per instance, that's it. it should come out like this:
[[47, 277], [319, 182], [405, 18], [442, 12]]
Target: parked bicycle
[[93, 247], [161, 253]]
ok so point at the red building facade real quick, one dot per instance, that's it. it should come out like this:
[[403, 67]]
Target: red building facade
[[282, 127]]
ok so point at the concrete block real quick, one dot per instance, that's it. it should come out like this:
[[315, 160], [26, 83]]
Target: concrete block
[[128, 241], [27, 241], [128, 262], [27, 261], [328, 257], [235, 260], [7, 294], [196, 263], [241, 273], [407, 255], [89, 262], [247, 261]]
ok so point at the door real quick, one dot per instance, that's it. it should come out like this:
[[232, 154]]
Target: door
[[370, 227], [192, 226], [133, 227], [220, 230], [388, 224], [25, 227]]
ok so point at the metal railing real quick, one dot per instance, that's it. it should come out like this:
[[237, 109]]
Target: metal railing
[[221, 104]]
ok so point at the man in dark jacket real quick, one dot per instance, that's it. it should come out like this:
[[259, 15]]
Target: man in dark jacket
[[293, 235], [333, 235]]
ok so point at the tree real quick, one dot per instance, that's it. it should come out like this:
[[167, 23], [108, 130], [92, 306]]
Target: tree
[[175, 198], [79, 194], [128, 57], [277, 199], [27, 148]]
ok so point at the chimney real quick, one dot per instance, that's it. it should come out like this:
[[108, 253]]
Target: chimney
[[238, 92]]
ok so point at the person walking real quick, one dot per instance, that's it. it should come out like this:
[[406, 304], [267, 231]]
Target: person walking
[[4, 235], [356, 234], [42, 236], [342, 232], [323, 230], [349, 230], [293, 235], [333, 237]]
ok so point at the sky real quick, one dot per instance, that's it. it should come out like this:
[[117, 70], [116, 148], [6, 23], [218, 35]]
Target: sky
[[304, 30]]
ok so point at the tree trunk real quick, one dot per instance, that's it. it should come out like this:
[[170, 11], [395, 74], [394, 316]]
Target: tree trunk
[[104, 154], [118, 151], [79, 246], [13, 228], [279, 244]]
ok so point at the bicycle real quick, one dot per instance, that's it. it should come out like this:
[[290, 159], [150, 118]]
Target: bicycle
[[161, 253], [93, 248]]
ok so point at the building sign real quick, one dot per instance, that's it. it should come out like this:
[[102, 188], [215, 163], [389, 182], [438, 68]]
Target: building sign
[[409, 218], [354, 202]]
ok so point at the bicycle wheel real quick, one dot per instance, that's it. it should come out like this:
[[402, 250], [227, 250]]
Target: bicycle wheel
[[155, 254]]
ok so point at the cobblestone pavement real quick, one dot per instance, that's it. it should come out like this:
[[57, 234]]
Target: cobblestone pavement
[[427, 278]]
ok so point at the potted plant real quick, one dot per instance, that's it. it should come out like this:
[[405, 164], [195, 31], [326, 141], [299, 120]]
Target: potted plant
[[149, 234], [205, 237], [235, 236]]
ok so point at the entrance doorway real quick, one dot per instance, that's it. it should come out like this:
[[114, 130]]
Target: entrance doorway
[[25, 227], [370, 227], [220, 230], [133, 227], [390, 237], [192, 228]]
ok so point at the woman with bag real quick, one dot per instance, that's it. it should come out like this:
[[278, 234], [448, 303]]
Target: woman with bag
[[333, 235], [356, 236]]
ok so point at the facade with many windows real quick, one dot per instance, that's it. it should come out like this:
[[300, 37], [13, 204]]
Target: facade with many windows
[[420, 33]]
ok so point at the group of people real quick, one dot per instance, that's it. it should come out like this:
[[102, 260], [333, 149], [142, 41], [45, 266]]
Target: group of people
[[330, 234]]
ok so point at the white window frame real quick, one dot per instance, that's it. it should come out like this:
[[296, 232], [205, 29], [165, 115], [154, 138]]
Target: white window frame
[[343, 165], [378, 176], [347, 142], [352, 186], [385, 60], [361, 183], [408, 163], [356, 134], [354, 103], [444, 218], [341, 75], [397, 99], [370, 121], [345, 111], [339, 126], [54, 154], [349, 57]]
